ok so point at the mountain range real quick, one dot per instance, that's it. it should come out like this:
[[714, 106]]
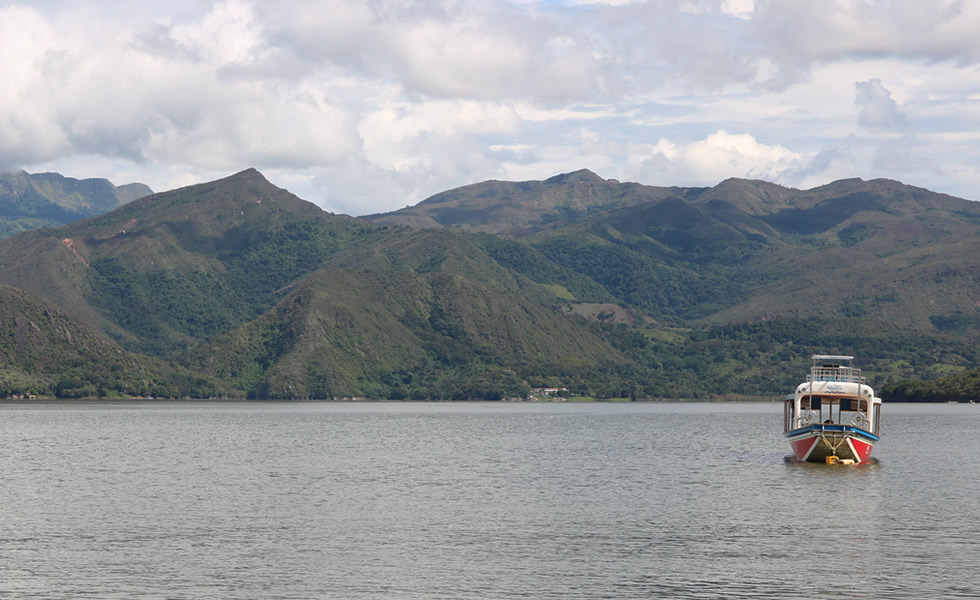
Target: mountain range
[[237, 288], [743, 250], [33, 200]]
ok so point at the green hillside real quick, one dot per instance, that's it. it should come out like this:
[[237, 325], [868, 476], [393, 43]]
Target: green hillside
[[171, 269], [239, 288], [46, 352], [34, 200], [400, 334], [880, 251], [959, 387], [743, 250], [189, 275]]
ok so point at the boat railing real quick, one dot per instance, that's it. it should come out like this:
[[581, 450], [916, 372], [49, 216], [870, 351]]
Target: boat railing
[[811, 419], [839, 374]]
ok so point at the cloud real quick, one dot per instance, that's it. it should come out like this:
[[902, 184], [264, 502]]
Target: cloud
[[878, 110], [403, 137], [164, 93], [27, 131], [799, 35], [738, 8], [714, 158], [365, 106], [227, 35], [443, 49], [401, 86], [897, 152], [774, 44], [602, 2], [902, 157]]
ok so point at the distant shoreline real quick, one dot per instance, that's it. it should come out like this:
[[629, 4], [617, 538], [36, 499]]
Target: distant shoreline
[[571, 400]]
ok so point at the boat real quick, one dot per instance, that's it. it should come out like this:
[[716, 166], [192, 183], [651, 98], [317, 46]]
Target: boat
[[833, 416]]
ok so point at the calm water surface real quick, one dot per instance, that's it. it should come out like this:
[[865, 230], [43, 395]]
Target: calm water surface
[[465, 501]]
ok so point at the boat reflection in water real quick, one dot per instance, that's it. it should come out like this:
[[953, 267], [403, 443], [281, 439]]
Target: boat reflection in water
[[833, 416]]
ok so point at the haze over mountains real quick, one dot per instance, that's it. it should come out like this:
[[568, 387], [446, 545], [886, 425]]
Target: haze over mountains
[[239, 288]]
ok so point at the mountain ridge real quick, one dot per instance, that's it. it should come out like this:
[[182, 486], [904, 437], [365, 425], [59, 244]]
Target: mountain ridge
[[505, 207], [608, 288], [122, 263], [33, 200], [837, 230]]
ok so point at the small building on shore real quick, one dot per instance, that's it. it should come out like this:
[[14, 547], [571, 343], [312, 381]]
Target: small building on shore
[[552, 392]]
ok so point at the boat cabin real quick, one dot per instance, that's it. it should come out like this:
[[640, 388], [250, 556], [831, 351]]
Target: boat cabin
[[834, 394]]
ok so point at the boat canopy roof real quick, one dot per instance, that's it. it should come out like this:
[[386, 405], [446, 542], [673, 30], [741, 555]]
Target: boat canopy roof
[[834, 367], [832, 359]]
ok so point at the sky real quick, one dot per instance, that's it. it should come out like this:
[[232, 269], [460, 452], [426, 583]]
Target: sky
[[365, 106]]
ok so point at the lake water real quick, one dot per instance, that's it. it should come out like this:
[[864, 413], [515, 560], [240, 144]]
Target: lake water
[[488, 501]]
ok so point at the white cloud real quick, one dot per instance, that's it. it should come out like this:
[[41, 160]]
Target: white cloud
[[413, 136], [878, 110], [714, 158], [532, 112], [444, 49], [734, 8], [902, 157], [738, 8], [27, 131], [367, 106], [600, 2], [109, 93], [228, 34], [799, 34]]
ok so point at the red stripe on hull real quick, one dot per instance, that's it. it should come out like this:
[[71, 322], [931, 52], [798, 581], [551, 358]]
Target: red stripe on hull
[[862, 449], [803, 447]]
